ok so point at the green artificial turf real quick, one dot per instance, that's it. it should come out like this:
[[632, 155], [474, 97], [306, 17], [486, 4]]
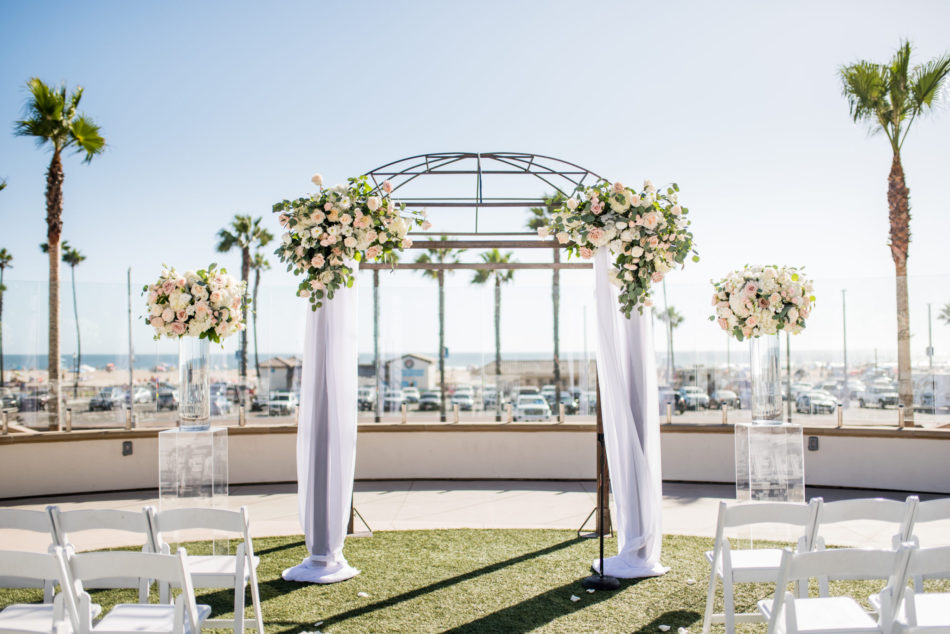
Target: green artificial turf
[[475, 581]]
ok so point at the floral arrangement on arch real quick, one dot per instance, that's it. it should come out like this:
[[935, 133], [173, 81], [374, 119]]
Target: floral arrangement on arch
[[647, 233], [761, 300], [327, 231], [206, 304]]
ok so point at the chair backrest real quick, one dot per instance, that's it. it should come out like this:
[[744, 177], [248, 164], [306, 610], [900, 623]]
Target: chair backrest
[[933, 510], [752, 513], [27, 565], [171, 569], [191, 518], [66, 522], [933, 563], [27, 520], [899, 514]]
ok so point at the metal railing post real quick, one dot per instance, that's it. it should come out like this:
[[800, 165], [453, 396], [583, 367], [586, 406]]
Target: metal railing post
[[405, 410], [69, 419], [6, 422], [900, 415], [725, 413], [669, 413], [242, 420], [455, 413], [560, 413], [128, 418], [840, 415], [508, 416]]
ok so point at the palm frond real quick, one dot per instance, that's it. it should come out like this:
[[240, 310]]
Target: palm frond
[[928, 80], [226, 241], [3, 184], [85, 135], [5, 259]]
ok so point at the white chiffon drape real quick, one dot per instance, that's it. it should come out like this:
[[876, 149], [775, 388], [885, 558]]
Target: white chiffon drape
[[326, 437], [626, 369]]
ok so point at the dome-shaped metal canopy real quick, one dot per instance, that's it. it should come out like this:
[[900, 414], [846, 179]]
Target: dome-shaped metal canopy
[[493, 179]]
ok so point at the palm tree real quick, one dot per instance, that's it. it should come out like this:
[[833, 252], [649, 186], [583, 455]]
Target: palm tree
[[5, 259], [3, 184], [73, 258], [258, 263], [889, 98], [440, 256], [501, 276], [944, 315], [51, 116], [672, 319], [244, 233], [541, 217]]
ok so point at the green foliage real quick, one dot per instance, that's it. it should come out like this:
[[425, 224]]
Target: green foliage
[[541, 216], [503, 276], [671, 316], [944, 315], [889, 97], [439, 255], [51, 116]]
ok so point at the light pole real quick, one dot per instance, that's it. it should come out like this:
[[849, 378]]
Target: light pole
[[844, 330]]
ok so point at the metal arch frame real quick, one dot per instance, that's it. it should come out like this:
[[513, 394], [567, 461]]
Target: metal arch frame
[[561, 175]]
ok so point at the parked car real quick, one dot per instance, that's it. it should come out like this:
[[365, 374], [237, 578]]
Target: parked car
[[525, 390], [549, 393], [220, 405], [412, 394], [815, 402], [108, 398], [430, 401], [532, 407], [489, 397], [669, 395], [8, 399], [393, 400], [694, 397], [879, 395], [724, 397], [464, 401], [366, 399], [281, 404], [32, 401], [258, 403], [570, 403], [139, 395], [167, 399]]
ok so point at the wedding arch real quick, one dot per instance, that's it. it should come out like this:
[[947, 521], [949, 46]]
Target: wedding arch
[[484, 184]]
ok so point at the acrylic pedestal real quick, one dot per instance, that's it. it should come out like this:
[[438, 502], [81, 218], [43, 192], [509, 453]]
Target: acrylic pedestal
[[770, 462], [193, 473]]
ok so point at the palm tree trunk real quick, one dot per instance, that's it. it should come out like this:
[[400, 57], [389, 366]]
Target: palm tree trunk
[[498, 346], [556, 301], [78, 341], [257, 285], [898, 199], [245, 274], [54, 230], [669, 330], [441, 275], [1, 326]]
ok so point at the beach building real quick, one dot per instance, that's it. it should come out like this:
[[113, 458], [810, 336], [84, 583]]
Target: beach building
[[411, 370], [281, 374]]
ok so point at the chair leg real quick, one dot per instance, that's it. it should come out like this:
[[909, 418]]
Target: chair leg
[[256, 602], [728, 608], [239, 607], [710, 597]]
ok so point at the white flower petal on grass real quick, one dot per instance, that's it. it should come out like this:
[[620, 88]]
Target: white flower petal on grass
[[690, 582], [575, 598], [318, 624], [362, 594], [590, 590], [682, 630], [664, 628]]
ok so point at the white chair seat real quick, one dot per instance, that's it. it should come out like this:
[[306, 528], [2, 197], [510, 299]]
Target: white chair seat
[[143, 617], [33, 617], [755, 565], [933, 609], [215, 571], [827, 614]]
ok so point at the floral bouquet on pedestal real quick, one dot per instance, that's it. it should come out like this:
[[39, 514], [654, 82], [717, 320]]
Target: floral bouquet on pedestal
[[206, 304], [761, 300], [332, 228], [647, 232]]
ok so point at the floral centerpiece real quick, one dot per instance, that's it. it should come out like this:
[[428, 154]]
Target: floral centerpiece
[[206, 304], [647, 233], [327, 231], [761, 300]]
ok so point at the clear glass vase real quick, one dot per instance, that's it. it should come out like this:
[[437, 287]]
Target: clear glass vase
[[766, 377], [194, 383]]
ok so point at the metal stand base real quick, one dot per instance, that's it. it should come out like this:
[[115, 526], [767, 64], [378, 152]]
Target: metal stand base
[[351, 528], [600, 582]]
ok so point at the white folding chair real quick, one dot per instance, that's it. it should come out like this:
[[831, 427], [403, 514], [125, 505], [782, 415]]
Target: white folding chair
[[900, 515], [217, 571], [751, 565], [929, 511], [825, 614], [927, 611], [38, 617], [66, 523], [34, 522], [132, 618]]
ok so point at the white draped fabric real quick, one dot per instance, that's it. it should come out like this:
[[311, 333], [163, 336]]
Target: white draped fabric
[[626, 369], [326, 437]]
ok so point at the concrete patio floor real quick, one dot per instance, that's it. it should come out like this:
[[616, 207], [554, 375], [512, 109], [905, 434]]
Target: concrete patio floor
[[688, 509]]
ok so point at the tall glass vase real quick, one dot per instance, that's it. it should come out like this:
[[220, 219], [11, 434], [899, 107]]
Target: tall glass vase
[[194, 384], [766, 376]]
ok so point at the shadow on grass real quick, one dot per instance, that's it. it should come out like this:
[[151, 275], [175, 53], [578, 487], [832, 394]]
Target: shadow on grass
[[274, 549], [433, 587], [539, 610], [674, 618]]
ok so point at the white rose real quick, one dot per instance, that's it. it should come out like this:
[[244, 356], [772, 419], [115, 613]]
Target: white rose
[[572, 203], [636, 251], [286, 238], [350, 242], [373, 202], [303, 293], [544, 231], [677, 210], [155, 310], [563, 237], [317, 179]]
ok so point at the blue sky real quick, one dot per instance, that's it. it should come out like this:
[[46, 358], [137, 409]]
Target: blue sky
[[215, 108]]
